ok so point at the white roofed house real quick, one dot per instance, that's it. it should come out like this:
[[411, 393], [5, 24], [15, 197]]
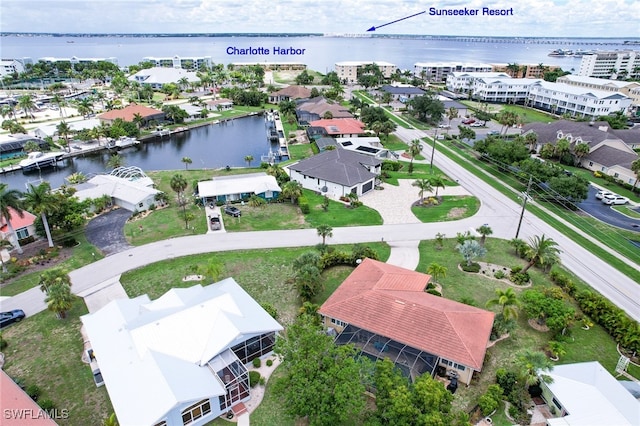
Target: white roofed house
[[238, 187], [180, 359]]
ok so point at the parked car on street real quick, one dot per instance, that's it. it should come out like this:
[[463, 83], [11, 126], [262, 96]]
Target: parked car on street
[[601, 194], [476, 124], [615, 199], [444, 126], [493, 132], [232, 211], [468, 121], [8, 318]]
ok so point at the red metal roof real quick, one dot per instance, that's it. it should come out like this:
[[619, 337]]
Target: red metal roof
[[391, 301], [18, 409]]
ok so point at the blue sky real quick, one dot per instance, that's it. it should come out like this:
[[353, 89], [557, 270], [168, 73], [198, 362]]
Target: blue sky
[[549, 18]]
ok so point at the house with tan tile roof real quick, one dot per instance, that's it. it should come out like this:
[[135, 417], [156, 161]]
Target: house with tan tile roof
[[384, 311], [129, 112], [316, 108], [289, 93]]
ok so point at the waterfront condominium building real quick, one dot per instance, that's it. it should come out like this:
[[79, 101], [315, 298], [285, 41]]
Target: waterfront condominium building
[[611, 64], [525, 70], [10, 66], [576, 101], [464, 82], [438, 71], [628, 88], [76, 60], [185, 62], [348, 71], [272, 66]]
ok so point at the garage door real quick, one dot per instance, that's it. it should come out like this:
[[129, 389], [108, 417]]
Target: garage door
[[367, 187]]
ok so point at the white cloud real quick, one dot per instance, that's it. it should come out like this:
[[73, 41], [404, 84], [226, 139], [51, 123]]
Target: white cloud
[[559, 18]]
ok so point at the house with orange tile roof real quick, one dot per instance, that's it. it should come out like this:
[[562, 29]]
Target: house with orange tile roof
[[129, 112], [384, 311], [18, 409], [24, 226], [289, 93], [340, 127]]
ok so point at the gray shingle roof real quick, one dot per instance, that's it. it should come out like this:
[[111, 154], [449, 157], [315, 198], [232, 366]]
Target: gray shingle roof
[[609, 157], [339, 166], [591, 134]]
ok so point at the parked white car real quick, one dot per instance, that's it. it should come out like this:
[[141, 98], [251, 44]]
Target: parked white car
[[601, 194], [614, 199]]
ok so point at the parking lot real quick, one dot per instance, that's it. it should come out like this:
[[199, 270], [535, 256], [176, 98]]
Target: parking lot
[[596, 208]]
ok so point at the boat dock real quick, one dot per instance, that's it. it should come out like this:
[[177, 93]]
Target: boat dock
[[275, 135]]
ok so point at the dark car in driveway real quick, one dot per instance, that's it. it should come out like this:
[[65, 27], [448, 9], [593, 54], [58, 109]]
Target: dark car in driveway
[[8, 318], [232, 211]]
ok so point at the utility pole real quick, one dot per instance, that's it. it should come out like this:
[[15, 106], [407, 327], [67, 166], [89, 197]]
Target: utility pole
[[525, 197], [433, 151]]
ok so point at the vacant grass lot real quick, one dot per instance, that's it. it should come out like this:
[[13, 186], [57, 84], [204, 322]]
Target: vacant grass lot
[[451, 208], [46, 352], [420, 171]]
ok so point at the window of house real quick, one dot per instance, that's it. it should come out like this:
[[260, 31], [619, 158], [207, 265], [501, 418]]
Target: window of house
[[616, 175], [196, 411], [140, 205], [590, 163], [338, 322], [556, 403], [162, 423], [22, 233]]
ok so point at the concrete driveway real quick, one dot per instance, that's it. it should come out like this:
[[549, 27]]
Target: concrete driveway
[[607, 214], [106, 231]]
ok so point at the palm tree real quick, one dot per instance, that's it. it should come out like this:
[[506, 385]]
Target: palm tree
[[84, 106], [138, 119], [248, 159], [59, 299], [531, 139], [424, 185], [437, 181], [507, 119], [508, 301], [111, 420], [514, 69], [64, 130], [635, 167], [581, 150], [557, 349], [530, 364], [561, 148], [415, 148], [26, 103], [451, 114], [388, 127], [212, 270], [54, 276], [436, 270], [292, 190], [186, 161], [179, 184], [324, 231], [10, 202], [484, 230], [115, 161], [40, 201], [541, 250], [58, 100]]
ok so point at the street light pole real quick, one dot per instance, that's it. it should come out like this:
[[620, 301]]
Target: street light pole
[[433, 151], [525, 197]]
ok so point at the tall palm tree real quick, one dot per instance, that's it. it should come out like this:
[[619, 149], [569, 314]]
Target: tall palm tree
[[52, 277], [437, 181], [415, 148], [64, 130], [484, 230], [40, 201], [248, 159], [11, 201], [541, 250], [186, 161], [324, 231], [508, 301], [530, 364], [531, 139], [115, 161], [451, 114], [424, 185], [561, 148], [436, 270], [635, 167], [26, 103], [138, 119], [58, 100], [581, 150], [179, 184]]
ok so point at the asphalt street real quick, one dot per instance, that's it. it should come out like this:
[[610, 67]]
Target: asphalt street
[[607, 214]]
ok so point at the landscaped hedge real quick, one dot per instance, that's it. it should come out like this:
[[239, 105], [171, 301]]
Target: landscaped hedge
[[614, 320], [304, 205]]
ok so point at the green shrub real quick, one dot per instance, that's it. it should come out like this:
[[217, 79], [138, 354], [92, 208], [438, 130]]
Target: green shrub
[[519, 278], [434, 292], [487, 404], [254, 378], [269, 362], [3, 343], [391, 165], [47, 405], [271, 310], [33, 391], [474, 267], [303, 203], [262, 381], [257, 362], [499, 274]]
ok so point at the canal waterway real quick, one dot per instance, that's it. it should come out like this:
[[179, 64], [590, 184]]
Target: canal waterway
[[209, 147]]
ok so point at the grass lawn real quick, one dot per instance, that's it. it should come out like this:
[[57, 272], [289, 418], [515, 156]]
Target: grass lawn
[[393, 143], [529, 115], [83, 254], [420, 171], [628, 210], [46, 352], [338, 213], [299, 151], [594, 344], [451, 208]]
